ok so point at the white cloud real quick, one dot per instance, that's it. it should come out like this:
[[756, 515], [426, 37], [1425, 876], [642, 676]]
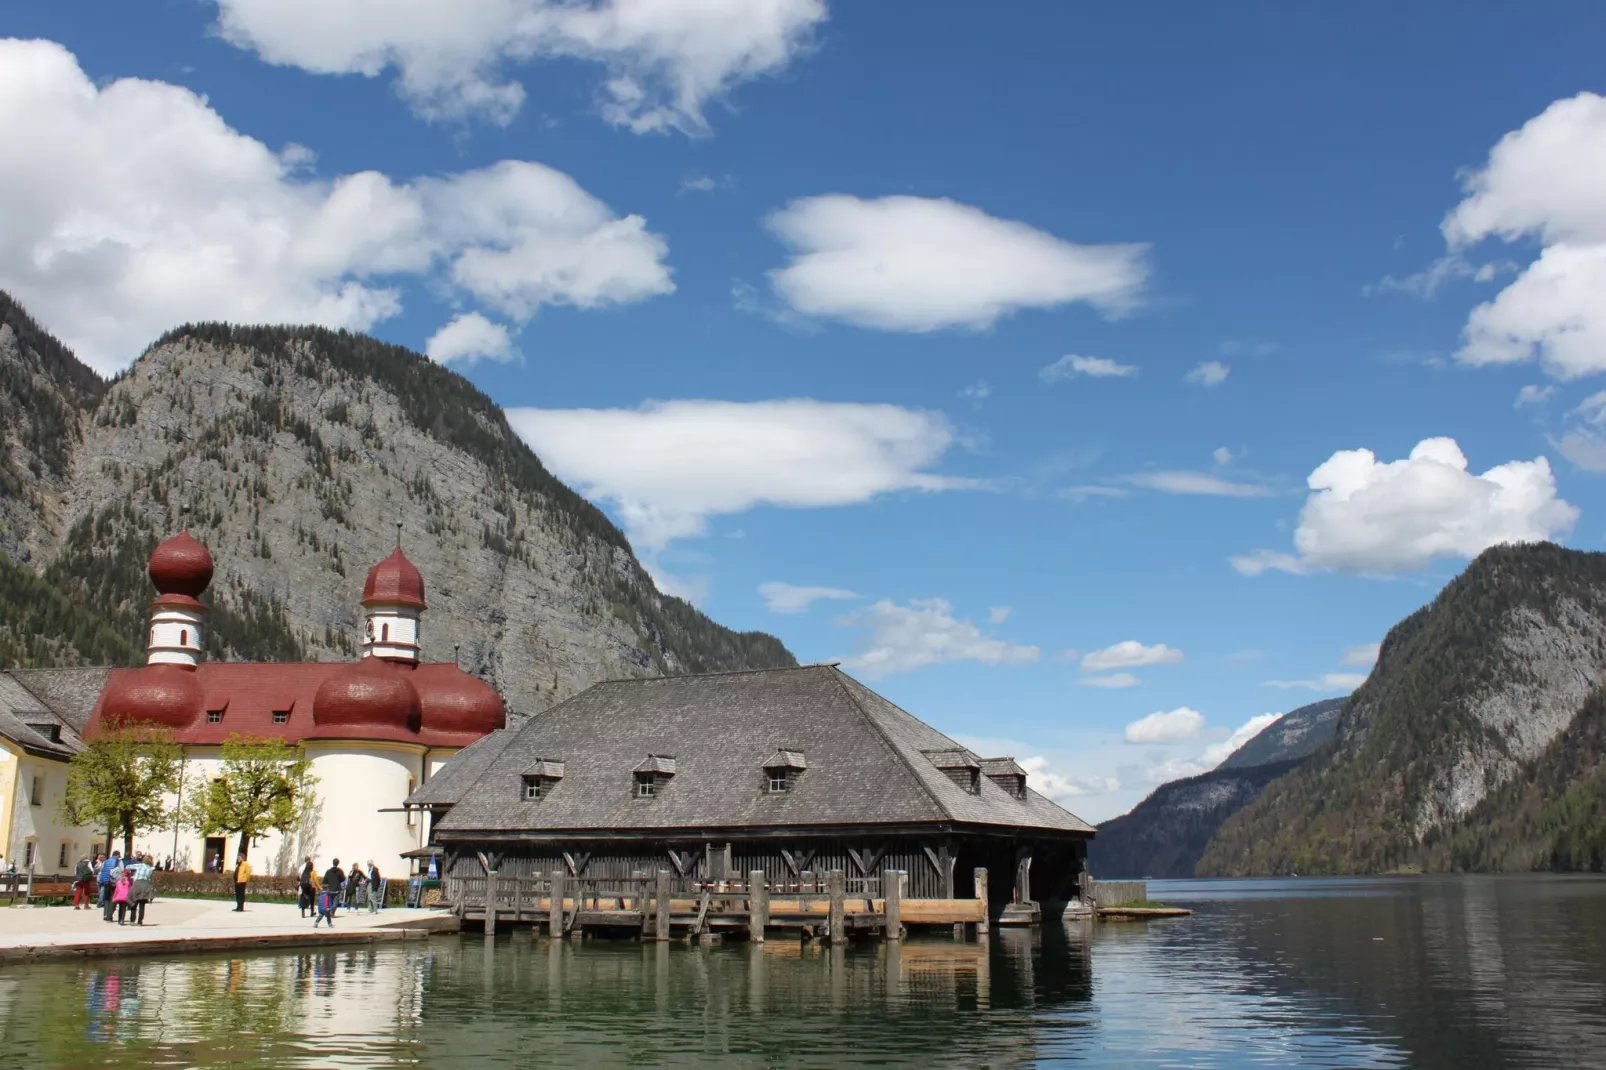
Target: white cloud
[[666, 60], [136, 207], [922, 264], [790, 598], [1040, 778], [1195, 483], [1217, 753], [1094, 367], [1363, 655], [1209, 373], [1086, 491], [668, 466], [1221, 455], [1130, 654], [1328, 681], [998, 614], [468, 338], [1367, 516], [1172, 726], [1113, 680], [1583, 443], [1542, 181], [1533, 395], [1426, 283], [924, 632], [976, 392]]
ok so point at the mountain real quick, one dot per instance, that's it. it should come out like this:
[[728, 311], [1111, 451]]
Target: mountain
[[1474, 743], [293, 453], [1164, 835], [1296, 734]]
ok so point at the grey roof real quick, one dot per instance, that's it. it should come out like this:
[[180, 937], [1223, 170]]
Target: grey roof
[[657, 763], [69, 693], [952, 758], [867, 762], [1001, 767], [461, 770], [27, 721], [786, 759], [545, 767]]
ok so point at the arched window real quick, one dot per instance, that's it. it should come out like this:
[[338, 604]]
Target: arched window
[[184, 637], [384, 633]]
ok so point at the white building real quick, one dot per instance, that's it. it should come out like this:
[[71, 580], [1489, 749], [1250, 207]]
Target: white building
[[375, 729]]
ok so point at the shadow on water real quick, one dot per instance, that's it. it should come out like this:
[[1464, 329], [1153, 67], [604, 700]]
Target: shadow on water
[[1464, 973]]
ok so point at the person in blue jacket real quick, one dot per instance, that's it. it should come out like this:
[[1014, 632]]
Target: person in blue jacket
[[109, 872]]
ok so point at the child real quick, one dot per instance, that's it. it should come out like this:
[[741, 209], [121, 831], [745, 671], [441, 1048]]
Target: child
[[120, 891]]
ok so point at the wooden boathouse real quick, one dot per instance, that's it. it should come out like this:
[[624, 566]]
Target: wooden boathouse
[[741, 801]]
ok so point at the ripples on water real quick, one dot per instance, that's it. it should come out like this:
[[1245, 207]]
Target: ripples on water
[[1468, 972]]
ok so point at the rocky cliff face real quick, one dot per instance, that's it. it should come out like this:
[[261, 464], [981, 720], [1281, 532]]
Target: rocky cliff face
[[1296, 734], [294, 454], [1468, 694]]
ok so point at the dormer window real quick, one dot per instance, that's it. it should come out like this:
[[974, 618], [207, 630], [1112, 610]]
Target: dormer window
[[782, 769], [1007, 774], [652, 774], [960, 766], [281, 716], [214, 716], [539, 779]]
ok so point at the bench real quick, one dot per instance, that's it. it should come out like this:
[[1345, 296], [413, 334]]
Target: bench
[[39, 888]]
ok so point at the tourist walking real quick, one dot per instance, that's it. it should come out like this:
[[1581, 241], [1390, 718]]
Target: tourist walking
[[376, 888], [83, 888], [143, 888], [242, 874], [121, 890], [109, 871], [334, 880], [354, 882], [309, 887]]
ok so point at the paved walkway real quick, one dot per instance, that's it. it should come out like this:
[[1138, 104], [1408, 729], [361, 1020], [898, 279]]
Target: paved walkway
[[28, 932]]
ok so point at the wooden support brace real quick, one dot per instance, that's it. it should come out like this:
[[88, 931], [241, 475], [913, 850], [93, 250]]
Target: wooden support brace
[[836, 886], [758, 906], [490, 902], [661, 897], [892, 892], [981, 895], [555, 908]]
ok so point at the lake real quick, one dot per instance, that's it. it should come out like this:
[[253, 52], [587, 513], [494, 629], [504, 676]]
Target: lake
[[1463, 972]]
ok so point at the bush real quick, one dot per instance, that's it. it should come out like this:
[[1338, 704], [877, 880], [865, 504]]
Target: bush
[[286, 889]]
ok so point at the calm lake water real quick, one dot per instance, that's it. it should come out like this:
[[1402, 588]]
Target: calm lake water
[[1463, 972]]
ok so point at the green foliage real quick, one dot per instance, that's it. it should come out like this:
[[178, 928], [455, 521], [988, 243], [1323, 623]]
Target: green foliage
[[1350, 808], [264, 785], [121, 780], [1164, 835], [42, 626]]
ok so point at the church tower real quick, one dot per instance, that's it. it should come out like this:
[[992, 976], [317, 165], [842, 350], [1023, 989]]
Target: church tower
[[392, 600], [181, 569]]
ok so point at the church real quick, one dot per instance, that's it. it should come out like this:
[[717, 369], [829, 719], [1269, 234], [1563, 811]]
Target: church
[[375, 729]]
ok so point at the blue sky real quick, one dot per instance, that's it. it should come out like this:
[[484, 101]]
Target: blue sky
[[1030, 345]]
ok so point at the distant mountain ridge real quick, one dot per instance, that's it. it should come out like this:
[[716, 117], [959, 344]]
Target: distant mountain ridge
[[1475, 742], [1296, 734], [295, 451]]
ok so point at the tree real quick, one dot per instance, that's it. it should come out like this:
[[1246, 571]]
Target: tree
[[263, 786], [121, 779]]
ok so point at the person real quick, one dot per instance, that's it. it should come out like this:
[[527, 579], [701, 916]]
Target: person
[[121, 890], [142, 890], [333, 881], [242, 874], [376, 888], [309, 890], [354, 884], [108, 881], [83, 886]]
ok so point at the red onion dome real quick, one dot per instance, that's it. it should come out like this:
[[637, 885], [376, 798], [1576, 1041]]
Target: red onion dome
[[370, 693], [168, 695], [394, 582], [456, 702], [181, 565]]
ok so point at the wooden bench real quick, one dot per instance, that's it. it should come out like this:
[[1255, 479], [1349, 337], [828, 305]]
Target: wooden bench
[[50, 888]]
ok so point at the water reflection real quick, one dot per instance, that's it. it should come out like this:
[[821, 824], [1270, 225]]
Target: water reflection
[[1464, 973]]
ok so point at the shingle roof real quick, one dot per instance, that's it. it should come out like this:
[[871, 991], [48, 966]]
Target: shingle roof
[[461, 770], [786, 759], [657, 763], [865, 761], [70, 693], [1001, 767], [29, 723]]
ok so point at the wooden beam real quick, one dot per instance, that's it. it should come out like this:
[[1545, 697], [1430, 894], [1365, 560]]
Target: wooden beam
[[837, 928], [555, 907], [945, 867], [661, 895], [490, 902], [981, 896], [758, 906], [892, 894]]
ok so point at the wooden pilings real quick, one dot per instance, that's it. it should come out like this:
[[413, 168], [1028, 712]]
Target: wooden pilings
[[661, 893], [893, 881], [758, 906], [490, 902], [555, 909], [836, 925], [984, 924]]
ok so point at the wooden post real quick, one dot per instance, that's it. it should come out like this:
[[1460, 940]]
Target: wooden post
[[490, 902], [555, 911], [661, 895], [981, 894], [758, 906], [1023, 875], [837, 927], [892, 889]]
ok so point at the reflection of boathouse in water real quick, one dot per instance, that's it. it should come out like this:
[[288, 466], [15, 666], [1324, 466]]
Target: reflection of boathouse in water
[[799, 773]]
